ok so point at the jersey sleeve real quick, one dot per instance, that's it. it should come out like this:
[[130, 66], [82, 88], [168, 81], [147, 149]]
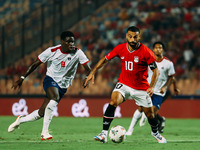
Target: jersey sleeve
[[150, 57], [82, 57], [45, 55], [171, 69], [113, 53]]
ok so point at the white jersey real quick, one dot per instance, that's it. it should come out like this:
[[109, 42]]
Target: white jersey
[[166, 69], [62, 66]]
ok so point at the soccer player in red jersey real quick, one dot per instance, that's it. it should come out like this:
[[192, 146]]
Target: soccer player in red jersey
[[132, 83]]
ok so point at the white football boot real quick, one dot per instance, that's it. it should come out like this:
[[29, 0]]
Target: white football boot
[[102, 137], [159, 137], [14, 125], [46, 136]]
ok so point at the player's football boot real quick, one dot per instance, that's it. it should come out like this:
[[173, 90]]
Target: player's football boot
[[129, 132], [159, 137], [14, 125], [46, 136], [143, 120], [161, 125], [102, 137]]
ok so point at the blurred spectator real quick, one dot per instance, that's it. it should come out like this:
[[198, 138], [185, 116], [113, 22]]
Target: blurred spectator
[[175, 22]]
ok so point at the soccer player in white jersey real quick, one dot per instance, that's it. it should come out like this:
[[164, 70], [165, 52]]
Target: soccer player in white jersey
[[166, 76], [62, 62]]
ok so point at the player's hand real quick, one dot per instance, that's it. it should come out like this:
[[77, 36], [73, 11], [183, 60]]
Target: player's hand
[[89, 78], [84, 83], [150, 91], [176, 91], [17, 84], [163, 90]]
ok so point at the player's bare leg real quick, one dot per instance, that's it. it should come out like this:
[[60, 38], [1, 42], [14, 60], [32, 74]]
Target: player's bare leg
[[149, 112], [116, 99], [136, 117], [53, 95], [35, 115]]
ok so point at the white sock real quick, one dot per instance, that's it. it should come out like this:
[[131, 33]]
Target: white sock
[[136, 116], [105, 131], [48, 115], [30, 117], [143, 115]]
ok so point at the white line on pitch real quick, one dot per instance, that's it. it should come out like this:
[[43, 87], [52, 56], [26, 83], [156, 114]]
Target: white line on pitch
[[171, 141], [183, 140]]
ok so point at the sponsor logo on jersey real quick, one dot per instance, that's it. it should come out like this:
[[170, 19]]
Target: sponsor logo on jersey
[[62, 64], [136, 59]]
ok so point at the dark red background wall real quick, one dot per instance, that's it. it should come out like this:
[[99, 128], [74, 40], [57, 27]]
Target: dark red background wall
[[172, 108]]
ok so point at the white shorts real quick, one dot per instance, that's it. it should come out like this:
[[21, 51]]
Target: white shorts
[[141, 97]]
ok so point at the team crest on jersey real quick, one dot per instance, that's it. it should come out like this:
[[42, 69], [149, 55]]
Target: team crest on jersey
[[62, 64], [69, 58], [136, 59]]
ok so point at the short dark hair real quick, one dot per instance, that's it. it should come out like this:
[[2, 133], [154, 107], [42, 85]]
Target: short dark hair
[[65, 34], [159, 42], [133, 29]]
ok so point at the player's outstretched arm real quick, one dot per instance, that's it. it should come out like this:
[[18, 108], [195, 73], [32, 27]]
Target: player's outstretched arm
[[100, 64], [19, 82]]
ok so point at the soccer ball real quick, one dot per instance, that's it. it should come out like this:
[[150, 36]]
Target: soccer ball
[[117, 134]]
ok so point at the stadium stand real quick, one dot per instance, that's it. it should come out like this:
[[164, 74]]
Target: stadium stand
[[175, 22]]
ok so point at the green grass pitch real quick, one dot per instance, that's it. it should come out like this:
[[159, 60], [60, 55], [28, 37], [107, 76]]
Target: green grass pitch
[[77, 134]]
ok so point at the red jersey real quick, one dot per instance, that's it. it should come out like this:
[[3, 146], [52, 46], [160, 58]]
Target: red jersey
[[134, 65]]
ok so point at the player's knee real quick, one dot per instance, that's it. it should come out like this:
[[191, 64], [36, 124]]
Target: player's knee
[[114, 102], [116, 99], [55, 97], [150, 115]]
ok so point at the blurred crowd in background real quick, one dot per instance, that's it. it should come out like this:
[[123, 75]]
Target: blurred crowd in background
[[174, 22]]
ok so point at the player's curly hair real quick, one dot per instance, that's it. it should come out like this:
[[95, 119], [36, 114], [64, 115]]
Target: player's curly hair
[[159, 42], [65, 34]]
